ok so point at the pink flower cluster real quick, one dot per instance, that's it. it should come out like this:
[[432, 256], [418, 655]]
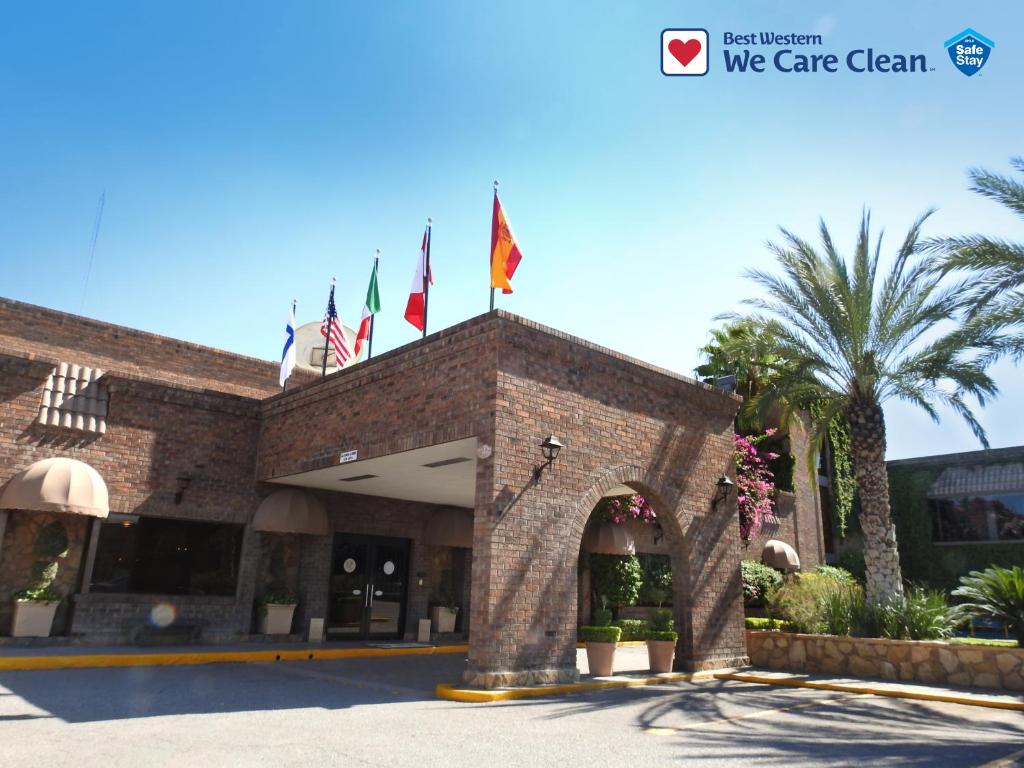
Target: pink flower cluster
[[635, 507], [755, 488]]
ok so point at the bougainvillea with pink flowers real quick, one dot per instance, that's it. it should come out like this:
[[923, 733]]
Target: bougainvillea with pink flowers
[[755, 486], [619, 509]]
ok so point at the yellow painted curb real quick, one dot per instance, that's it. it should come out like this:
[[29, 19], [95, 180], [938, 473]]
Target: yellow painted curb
[[898, 693], [450, 692], [84, 661]]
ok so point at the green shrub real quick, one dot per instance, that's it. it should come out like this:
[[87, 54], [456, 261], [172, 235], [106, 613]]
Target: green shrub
[[591, 634], [662, 620], [279, 597], [841, 575], [767, 623], [842, 607], [997, 593], [919, 614], [758, 581], [815, 603], [51, 542], [616, 578], [602, 617], [658, 634], [632, 629]]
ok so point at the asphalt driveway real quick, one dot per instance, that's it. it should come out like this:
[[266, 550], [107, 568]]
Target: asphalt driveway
[[382, 712]]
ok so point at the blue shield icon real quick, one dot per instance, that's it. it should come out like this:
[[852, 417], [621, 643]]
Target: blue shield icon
[[969, 51]]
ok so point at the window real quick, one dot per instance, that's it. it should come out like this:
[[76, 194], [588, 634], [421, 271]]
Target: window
[[156, 555], [996, 517]]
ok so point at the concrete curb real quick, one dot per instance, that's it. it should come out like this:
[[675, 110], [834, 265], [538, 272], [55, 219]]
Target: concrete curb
[[450, 692], [979, 700], [87, 661]]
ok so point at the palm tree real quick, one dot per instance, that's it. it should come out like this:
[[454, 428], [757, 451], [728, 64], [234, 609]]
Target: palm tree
[[852, 339], [995, 266]]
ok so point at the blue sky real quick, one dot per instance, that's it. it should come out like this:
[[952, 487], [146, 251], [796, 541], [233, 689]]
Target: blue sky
[[250, 151]]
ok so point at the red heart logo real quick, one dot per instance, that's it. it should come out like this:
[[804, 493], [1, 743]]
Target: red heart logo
[[684, 51]]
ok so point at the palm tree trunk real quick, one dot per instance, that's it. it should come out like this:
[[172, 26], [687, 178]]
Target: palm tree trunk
[[881, 556]]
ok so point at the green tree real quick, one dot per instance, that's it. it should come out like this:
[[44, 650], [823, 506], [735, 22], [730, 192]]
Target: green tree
[[852, 339], [995, 267]]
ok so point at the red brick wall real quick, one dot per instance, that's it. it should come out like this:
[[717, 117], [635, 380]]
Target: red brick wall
[[81, 340], [418, 395], [621, 423], [154, 434]]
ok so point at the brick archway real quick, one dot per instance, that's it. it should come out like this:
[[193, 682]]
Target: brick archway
[[643, 482]]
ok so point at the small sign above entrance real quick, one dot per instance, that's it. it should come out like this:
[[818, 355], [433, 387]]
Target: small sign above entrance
[[348, 456]]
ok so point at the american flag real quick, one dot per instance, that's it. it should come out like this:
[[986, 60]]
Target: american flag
[[330, 329]]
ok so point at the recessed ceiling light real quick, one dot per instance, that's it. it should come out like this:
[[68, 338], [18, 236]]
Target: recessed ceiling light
[[446, 462]]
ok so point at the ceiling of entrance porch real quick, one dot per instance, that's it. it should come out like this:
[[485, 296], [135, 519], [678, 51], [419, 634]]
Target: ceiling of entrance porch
[[438, 474]]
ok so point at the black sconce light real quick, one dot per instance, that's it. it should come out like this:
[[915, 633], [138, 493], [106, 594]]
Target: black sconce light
[[550, 448], [723, 488], [183, 483]]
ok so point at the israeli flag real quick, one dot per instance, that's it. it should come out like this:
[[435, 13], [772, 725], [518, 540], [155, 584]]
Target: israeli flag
[[288, 355]]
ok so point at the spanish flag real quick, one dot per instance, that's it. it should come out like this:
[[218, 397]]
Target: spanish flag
[[505, 255]]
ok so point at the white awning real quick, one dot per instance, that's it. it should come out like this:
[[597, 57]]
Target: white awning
[[608, 538], [291, 511], [57, 485], [780, 556]]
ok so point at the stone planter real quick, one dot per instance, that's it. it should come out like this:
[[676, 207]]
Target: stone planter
[[661, 654], [33, 619], [600, 658], [276, 619], [919, 661], [443, 618]]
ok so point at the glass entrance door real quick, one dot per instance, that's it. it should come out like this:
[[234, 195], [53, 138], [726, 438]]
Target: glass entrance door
[[369, 576]]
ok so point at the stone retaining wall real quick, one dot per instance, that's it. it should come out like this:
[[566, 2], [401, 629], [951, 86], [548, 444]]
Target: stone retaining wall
[[922, 662]]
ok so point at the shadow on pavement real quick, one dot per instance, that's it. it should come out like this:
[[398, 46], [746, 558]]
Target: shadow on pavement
[[89, 695]]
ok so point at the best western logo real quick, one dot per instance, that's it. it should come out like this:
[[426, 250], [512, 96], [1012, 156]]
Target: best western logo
[[789, 53]]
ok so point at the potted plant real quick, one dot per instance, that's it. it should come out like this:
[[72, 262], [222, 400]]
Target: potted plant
[[278, 608], [600, 642], [661, 642], [444, 607], [35, 606]]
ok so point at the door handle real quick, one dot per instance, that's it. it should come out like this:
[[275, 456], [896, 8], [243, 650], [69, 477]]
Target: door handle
[[369, 595]]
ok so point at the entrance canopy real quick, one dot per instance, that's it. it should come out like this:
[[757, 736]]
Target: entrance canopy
[[58, 485], [291, 511], [438, 474]]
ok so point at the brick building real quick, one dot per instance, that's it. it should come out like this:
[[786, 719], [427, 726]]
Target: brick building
[[406, 480]]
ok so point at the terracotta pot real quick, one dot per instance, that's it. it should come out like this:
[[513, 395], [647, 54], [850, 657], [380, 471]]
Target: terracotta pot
[[443, 618], [661, 654], [600, 658], [33, 619], [276, 619]]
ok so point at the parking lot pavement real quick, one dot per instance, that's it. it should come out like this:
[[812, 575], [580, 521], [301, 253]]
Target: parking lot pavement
[[381, 712]]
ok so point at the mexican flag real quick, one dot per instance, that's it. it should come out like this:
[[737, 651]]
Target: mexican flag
[[371, 308]]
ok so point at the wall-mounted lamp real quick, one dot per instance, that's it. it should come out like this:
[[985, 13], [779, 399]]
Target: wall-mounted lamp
[[723, 488], [183, 483], [549, 448], [420, 576]]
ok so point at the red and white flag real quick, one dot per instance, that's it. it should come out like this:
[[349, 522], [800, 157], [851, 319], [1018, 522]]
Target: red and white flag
[[416, 308]]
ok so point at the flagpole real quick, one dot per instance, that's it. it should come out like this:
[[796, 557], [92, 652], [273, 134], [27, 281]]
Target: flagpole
[[426, 280], [295, 303], [327, 338], [373, 317], [489, 278]]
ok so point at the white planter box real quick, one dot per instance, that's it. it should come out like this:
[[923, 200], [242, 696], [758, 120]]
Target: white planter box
[[277, 619], [443, 619], [32, 619]]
